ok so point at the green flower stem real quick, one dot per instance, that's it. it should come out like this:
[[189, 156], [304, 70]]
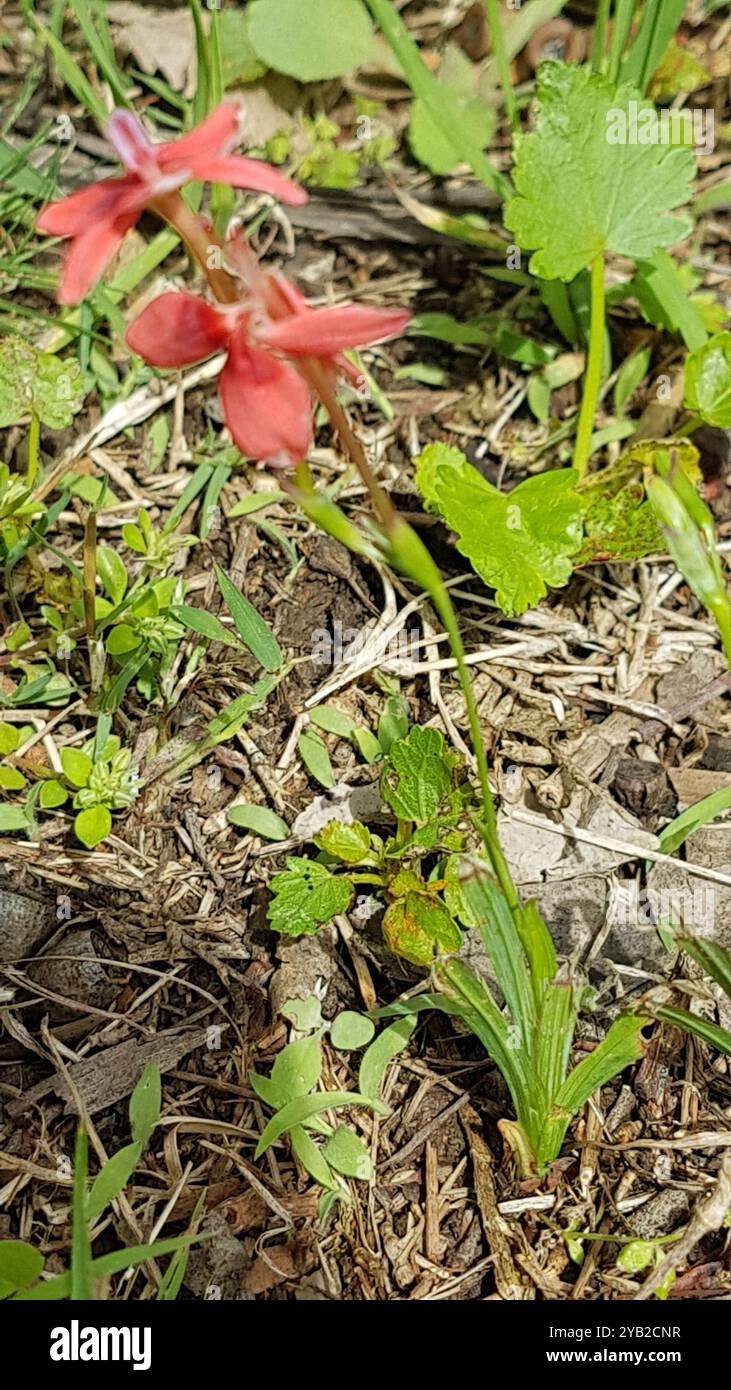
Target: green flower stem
[[34, 438], [593, 377], [503, 66], [488, 826]]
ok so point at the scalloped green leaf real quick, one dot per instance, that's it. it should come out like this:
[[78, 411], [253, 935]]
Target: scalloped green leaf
[[520, 542], [585, 185]]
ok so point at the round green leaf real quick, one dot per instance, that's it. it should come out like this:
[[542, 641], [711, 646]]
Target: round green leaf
[[331, 38], [93, 826], [350, 1030], [259, 820], [304, 1014], [9, 739], [77, 766], [121, 639], [52, 794], [20, 1266], [11, 780]]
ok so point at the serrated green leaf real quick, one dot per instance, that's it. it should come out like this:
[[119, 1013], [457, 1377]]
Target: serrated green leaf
[[583, 186], [708, 381], [520, 542], [350, 843], [347, 1154], [417, 775], [337, 37], [259, 820], [416, 926], [306, 895], [350, 1030], [33, 382]]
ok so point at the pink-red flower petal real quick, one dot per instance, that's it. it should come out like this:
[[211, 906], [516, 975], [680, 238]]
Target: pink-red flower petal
[[325, 332], [240, 172], [89, 255], [71, 216], [213, 137], [176, 330], [266, 404]]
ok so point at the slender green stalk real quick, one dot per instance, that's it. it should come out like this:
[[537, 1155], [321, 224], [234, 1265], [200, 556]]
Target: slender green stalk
[[503, 66], [593, 377], [34, 436], [623, 12], [488, 828], [599, 45]]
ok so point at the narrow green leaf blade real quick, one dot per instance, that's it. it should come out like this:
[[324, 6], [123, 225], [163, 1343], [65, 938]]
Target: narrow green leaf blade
[[253, 630]]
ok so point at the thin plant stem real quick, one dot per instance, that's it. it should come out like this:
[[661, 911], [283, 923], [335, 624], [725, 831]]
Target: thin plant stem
[[503, 66], [488, 827], [599, 45], [624, 10], [34, 439], [593, 377]]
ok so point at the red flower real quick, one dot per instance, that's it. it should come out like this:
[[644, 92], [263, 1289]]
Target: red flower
[[97, 218], [266, 401]]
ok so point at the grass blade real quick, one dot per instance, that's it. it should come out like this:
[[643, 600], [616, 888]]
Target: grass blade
[[659, 24], [709, 1033], [81, 1276], [478, 1010], [622, 1046], [253, 630], [505, 949], [712, 958], [693, 817]]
